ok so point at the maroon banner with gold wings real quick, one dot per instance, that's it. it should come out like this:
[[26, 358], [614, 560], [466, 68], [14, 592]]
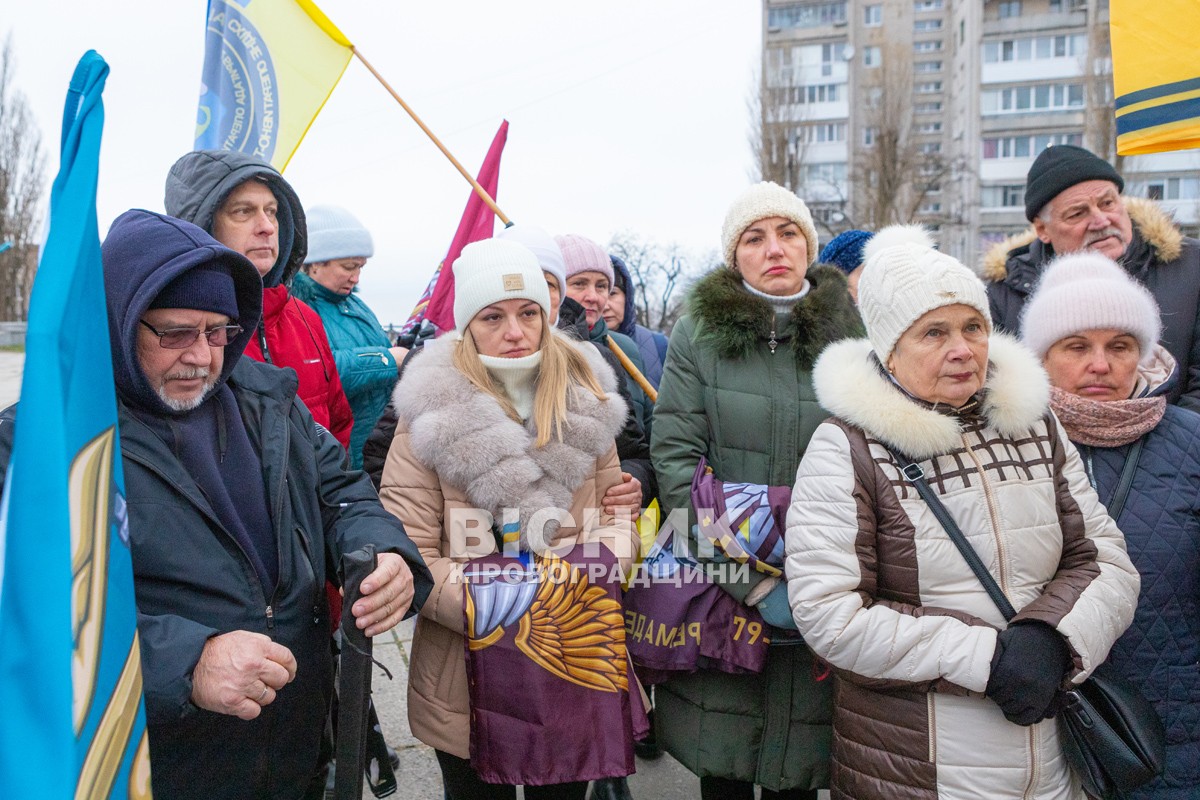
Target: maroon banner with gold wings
[[547, 669]]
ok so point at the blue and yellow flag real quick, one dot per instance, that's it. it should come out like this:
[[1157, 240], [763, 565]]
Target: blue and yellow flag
[[1156, 75], [72, 721], [269, 67]]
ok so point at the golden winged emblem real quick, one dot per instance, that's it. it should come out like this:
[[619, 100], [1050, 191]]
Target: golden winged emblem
[[565, 624]]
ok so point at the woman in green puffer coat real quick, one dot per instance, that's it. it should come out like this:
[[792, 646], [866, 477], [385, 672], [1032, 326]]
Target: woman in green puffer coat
[[338, 247], [737, 390]]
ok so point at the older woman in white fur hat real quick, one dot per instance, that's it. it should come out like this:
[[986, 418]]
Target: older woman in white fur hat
[[941, 696], [1096, 331]]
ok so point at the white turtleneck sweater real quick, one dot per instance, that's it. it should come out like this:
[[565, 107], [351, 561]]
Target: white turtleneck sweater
[[517, 376], [783, 304]]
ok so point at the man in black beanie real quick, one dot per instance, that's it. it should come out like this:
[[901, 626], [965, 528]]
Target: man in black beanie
[[1073, 198]]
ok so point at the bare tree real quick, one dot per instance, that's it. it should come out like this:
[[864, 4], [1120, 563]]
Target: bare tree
[[777, 141], [780, 136], [22, 179], [896, 174], [1100, 121], [659, 273]]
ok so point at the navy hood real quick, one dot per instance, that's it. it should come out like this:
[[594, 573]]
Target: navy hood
[[622, 274], [201, 180], [142, 253]]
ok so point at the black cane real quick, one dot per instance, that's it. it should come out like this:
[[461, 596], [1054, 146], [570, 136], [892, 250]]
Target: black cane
[[354, 681]]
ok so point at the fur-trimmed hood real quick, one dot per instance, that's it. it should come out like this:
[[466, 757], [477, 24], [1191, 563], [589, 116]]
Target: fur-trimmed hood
[[1153, 224], [464, 436], [850, 385], [734, 321]]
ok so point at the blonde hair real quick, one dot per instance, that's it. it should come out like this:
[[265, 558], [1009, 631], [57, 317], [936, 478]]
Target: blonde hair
[[563, 369]]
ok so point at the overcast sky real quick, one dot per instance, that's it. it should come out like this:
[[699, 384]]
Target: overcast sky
[[624, 114]]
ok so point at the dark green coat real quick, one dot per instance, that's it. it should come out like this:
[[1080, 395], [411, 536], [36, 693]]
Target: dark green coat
[[748, 406]]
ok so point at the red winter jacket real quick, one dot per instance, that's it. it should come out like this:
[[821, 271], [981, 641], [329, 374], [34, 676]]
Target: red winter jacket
[[296, 338]]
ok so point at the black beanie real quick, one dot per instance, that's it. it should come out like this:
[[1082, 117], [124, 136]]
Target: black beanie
[[1060, 167], [207, 287]]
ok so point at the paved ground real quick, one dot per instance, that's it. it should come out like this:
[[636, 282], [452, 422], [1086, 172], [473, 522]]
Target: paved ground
[[11, 365]]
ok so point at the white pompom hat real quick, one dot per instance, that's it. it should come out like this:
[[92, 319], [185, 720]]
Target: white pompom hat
[[1087, 291], [905, 278]]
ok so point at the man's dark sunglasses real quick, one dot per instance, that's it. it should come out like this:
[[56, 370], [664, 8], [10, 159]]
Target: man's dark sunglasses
[[183, 338]]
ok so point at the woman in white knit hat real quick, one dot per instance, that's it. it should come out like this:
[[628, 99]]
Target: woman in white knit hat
[[1096, 331], [338, 249], [736, 390], [502, 414], [939, 695]]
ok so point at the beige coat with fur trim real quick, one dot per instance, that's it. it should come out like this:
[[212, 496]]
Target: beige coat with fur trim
[[1160, 257], [879, 590], [455, 454]]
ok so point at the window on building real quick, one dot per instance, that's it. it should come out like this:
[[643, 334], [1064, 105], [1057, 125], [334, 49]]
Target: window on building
[[925, 25], [869, 135], [873, 15], [1005, 196], [805, 15], [1056, 6], [872, 56], [1035, 48], [928, 5], [1021, 99], [1167, 188], [931, 46], [830, 53], [929, 127], [930, 148], [822, 133], [927, 66], [1010, 8], [928, 87], [827, 173], [930, 208], [928, 108], [1027, 146]]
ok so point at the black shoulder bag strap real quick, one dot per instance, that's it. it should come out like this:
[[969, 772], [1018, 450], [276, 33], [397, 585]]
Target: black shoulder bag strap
[[916, 475], [1117, 503]]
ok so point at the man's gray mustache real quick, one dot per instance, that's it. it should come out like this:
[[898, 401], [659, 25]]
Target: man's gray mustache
[[1096, 236]]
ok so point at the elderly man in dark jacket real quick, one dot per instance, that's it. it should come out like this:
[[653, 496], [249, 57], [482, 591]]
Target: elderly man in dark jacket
[[1073, 198], [237, 504]]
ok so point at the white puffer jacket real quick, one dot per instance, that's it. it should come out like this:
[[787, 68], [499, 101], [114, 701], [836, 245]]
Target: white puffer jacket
[[879, 590]]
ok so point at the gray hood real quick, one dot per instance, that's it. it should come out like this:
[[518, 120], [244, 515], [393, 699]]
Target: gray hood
[[201, 180]]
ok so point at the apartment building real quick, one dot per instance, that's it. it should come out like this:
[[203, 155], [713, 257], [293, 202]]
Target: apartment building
[[974, 88]]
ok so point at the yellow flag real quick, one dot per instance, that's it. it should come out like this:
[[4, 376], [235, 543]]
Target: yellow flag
[[1156, 75], [269, 67]]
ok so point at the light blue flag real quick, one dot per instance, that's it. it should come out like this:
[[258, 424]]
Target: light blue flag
[[72, 721]]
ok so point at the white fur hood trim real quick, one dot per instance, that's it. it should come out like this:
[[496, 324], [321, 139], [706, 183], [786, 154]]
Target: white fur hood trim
[[849, 385], [464, 436]]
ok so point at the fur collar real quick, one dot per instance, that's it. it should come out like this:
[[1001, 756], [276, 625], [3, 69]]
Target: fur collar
[[850, 386], [463, 435], [1156, 227], [734, 321]]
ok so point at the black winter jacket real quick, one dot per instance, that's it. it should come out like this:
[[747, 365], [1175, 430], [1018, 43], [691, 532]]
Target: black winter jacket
[[1160, 257]]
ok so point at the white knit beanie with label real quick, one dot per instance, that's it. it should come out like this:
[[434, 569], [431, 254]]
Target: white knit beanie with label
[[492, 270], [905, 278]]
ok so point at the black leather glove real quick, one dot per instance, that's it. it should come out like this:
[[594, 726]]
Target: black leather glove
[[1028, 667]]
